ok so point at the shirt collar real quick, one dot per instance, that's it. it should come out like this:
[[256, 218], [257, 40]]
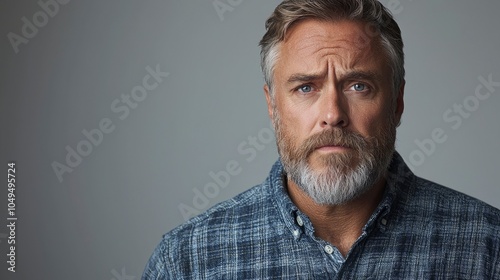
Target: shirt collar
[[398, 176]]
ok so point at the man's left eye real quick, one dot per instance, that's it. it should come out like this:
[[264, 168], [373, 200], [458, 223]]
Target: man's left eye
[[359, 87]]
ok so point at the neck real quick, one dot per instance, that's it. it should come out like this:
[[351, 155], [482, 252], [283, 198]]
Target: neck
[[341, 225]]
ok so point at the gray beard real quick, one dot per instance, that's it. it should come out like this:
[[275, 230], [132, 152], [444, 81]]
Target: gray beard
[[335, 186], [340, 181]]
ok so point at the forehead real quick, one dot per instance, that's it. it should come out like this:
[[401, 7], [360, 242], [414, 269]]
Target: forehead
[[310, 44]]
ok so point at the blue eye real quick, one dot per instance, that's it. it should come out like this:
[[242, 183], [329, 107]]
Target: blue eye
[[305, 88], [359, 87]]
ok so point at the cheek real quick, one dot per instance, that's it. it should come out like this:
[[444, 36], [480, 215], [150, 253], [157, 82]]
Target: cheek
[[369, 120], [298, 120]]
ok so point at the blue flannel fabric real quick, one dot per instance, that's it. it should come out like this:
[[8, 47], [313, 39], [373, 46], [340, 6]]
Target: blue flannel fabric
[[420, 230]]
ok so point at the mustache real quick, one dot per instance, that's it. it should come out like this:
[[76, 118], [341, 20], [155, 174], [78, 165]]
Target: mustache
[[333, 137]]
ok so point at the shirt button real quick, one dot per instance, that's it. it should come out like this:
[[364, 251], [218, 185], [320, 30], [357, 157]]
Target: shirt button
[[299, 221], [296, 233], [329, 249], [383, 222]]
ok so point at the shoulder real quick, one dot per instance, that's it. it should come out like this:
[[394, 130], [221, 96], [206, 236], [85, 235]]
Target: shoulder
[[237, 227], [418, 195], [441, 198], [207, 240], [448, 210], [461, 230], [196, 242]]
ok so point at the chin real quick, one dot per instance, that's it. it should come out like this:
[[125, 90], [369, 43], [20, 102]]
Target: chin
[[345, 161]]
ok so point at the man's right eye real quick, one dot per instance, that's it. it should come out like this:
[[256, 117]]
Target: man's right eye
[[305, 89]]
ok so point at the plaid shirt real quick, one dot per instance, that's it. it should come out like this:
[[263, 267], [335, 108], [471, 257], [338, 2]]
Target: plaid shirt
[[420, 230]]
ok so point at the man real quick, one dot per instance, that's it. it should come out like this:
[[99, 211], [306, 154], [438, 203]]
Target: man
[[340, 203]]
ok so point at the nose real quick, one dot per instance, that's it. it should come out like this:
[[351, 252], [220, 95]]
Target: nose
[[333, 112]]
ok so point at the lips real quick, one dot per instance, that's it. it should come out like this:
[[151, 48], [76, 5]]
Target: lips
[[332, 149], [332, 141], [332, 146]]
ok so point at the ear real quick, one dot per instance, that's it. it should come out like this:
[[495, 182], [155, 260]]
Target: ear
[[269, 102], [400, 104]]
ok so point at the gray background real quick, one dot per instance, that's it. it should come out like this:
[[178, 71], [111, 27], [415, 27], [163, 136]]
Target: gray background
[[106, 216]]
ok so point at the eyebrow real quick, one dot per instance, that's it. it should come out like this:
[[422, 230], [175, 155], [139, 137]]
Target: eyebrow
[[351, 75], [360, 75], [300, 77]]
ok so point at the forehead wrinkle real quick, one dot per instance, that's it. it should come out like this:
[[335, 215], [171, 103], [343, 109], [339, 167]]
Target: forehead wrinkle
[[345, 49], [316, 51], [343, 61], [306, 47]]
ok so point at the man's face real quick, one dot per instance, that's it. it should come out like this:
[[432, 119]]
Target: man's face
[[333, 109]]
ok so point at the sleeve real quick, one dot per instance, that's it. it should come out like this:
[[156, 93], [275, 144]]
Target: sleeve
[[156, 268]]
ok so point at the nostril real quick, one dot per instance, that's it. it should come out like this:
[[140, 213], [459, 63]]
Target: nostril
[[341, 123]]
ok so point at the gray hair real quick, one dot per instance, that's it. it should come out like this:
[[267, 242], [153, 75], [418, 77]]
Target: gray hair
[[379, 23]]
